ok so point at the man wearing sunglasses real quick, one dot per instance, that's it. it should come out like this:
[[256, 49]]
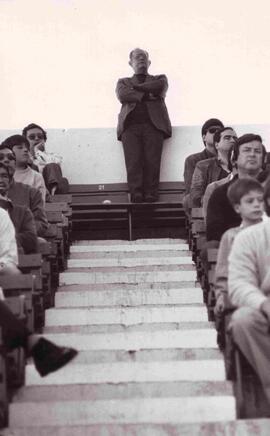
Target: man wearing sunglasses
[[24, 195], [209, 128], [49, 164], [214, 168]]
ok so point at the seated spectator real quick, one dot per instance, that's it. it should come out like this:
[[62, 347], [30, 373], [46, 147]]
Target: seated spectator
[[208, 130], [24, 195], [248, 288], [211, 187], [21, 216], [8, 246], [47, 163], [23, 173], [246, 197], [214, 168], [47, 356], [248, 155]]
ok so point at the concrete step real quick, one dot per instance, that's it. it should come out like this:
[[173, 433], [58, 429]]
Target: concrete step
[[146, 287], [258, 427], [149, 241], [105, 391], [129, 262], [154, 410], [128, 298], [132, 341], [126, 372], [128, 247], [74, 278], [126, 315], [117, 328], [130, 254]]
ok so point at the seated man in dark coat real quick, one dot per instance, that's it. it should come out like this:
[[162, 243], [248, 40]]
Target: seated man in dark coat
[[142, 126], [248, 155], [209, 128], [214, 168]]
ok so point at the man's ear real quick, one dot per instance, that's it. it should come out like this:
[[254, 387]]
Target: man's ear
[[129, 63], [203, 138], [149, 63], [237, 208]]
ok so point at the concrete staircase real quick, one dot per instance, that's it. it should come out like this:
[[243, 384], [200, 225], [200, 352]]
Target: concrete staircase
[[148, 361]]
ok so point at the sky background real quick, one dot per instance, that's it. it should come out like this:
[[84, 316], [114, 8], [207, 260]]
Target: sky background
[[60, 59]]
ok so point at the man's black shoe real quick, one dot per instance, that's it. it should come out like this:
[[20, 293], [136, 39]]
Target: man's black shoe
[[49, 357], [136, 198], [150, 198]]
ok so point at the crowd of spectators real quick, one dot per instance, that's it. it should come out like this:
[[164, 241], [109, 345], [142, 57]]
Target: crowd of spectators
[[230, 180], [24, 187]]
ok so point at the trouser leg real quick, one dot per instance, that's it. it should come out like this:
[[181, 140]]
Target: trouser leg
[[52, 175], [250, 330], [133, 151], [153, 141], [14, 332]]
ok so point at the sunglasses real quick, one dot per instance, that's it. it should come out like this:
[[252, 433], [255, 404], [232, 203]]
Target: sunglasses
[[37, 136], [213, 129], [9, 156]]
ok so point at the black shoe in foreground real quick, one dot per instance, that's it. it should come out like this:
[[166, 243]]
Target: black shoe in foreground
[[49, 357]]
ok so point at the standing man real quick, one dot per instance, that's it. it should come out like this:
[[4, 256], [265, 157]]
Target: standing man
[[143, 124]]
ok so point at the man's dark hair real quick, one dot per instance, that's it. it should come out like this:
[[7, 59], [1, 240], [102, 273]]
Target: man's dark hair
[[34, 126], [137, 48], [241, 187], [211, 123], [7, 169], [15, 140], [217, 135], [244, 139]]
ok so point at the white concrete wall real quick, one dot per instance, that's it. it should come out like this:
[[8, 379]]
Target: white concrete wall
[[95, 155]]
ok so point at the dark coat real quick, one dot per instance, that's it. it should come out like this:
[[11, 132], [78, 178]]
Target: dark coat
[[190, 164], [157, 110]]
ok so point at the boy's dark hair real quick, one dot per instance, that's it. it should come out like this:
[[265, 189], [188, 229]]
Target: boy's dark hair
[[15, 140], [34, 126], [242, 187], [7, 169], [217, 135], [266, 196]]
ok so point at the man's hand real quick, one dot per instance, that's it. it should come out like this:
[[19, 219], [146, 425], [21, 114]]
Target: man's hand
[[265, 309], [220, 305], [40, 146]]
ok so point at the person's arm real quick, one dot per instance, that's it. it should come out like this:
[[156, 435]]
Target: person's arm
[[38, 211], [8, 247], [243, 282], [40, 185], [188, 173], [157, 86], [26, 236], [126, 93], [198, 186]]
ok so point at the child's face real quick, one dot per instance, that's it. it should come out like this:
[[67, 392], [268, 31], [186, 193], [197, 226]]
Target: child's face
[[251, 206]]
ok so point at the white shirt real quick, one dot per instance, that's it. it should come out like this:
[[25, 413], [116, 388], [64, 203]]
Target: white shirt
[[8, 245]]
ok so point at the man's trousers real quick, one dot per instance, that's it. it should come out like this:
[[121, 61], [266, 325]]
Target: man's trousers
[[14, 332], [250, 330], [142, 145]]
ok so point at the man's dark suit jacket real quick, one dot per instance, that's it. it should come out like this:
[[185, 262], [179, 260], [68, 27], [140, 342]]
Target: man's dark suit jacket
[[156, 108], [190, 164]]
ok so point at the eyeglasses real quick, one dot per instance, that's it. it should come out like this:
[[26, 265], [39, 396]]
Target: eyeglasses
[[9, 156], [37, 136], [213, 129]]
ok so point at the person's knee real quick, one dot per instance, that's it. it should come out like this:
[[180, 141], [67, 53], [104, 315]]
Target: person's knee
[[244, 320], [9, 269]]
